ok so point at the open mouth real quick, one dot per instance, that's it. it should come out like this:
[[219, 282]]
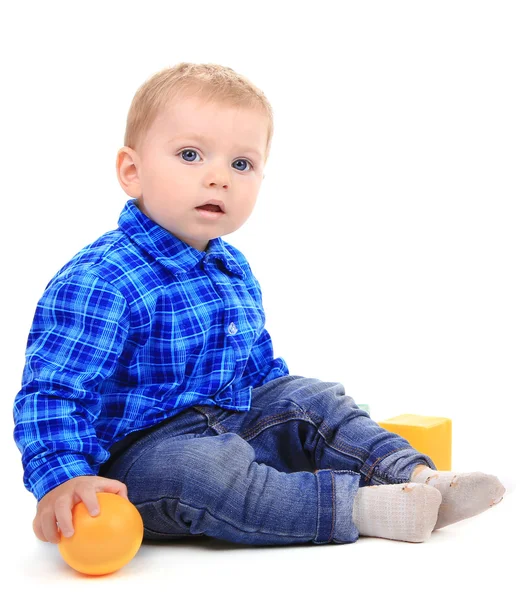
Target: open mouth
[[210, 207]]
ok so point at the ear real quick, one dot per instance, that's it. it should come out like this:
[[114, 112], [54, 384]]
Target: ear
[[127, 173]]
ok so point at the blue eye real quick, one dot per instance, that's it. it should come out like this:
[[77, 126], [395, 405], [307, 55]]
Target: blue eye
[[186, 151], [243, 160], [191, 152]]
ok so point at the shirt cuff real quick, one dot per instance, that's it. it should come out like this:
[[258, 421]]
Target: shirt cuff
[[52, 471]]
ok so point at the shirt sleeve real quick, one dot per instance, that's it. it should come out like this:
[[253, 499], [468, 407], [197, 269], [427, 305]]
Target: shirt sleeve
[[77, 335]]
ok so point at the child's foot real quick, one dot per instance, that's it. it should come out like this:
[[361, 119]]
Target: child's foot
[[405, 511], [463, 494]]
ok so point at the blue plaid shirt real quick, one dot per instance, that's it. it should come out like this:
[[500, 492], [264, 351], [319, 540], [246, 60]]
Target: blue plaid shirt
[[135, 328]]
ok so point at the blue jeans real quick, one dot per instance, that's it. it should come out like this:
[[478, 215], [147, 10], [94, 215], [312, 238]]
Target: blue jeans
[[284, 472]]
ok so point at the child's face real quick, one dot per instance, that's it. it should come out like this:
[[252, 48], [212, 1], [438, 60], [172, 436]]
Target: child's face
[[175, 172]]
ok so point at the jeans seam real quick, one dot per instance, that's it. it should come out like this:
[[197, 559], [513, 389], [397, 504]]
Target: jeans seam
[[321, 508], [269, 422], [323, 430], [333, 520], [368, 476], [318, 520], [212, 424]]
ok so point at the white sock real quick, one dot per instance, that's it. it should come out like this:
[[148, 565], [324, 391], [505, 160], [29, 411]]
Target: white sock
[[404, 511], [463, 494]]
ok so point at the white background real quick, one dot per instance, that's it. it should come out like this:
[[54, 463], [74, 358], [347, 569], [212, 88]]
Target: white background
[[385, 238]]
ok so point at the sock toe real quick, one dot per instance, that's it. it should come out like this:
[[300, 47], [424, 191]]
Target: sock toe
[[468, 495]]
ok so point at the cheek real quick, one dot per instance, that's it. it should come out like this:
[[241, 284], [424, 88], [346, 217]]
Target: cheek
[[165, 176]]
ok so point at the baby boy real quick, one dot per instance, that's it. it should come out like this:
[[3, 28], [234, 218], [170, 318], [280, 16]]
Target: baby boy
[[149, 372]]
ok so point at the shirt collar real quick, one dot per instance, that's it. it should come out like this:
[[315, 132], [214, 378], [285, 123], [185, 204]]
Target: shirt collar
[[169, 250]]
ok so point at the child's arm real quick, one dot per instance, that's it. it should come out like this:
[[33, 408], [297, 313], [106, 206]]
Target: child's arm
[[77, 336]]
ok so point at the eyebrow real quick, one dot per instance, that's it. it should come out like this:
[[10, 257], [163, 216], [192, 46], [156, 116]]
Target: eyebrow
[[201, 138]]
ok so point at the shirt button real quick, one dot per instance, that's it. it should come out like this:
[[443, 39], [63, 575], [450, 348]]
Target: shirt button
[[232, 329]]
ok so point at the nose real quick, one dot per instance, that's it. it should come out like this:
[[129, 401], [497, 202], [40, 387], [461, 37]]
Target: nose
[[218, 176], [214, 183]]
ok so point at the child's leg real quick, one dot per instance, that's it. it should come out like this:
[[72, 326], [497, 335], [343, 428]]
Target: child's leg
[[203, 483], [312, 424], [211, 485], [288, 432]]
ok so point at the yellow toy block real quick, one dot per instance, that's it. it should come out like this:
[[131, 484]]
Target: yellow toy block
[[429, 435]]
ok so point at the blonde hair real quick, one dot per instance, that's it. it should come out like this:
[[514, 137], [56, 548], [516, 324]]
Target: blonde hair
[[210, 82]]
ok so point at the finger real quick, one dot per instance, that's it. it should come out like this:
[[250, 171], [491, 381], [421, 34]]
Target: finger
[[114, 486], [123, 490], [63, 510], [49, 527], [88, 496], [37, 528]]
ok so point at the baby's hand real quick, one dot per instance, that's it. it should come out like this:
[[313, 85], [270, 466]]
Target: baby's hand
[[55, 508]]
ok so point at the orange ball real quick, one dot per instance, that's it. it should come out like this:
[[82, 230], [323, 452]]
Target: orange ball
[[105, 543]]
